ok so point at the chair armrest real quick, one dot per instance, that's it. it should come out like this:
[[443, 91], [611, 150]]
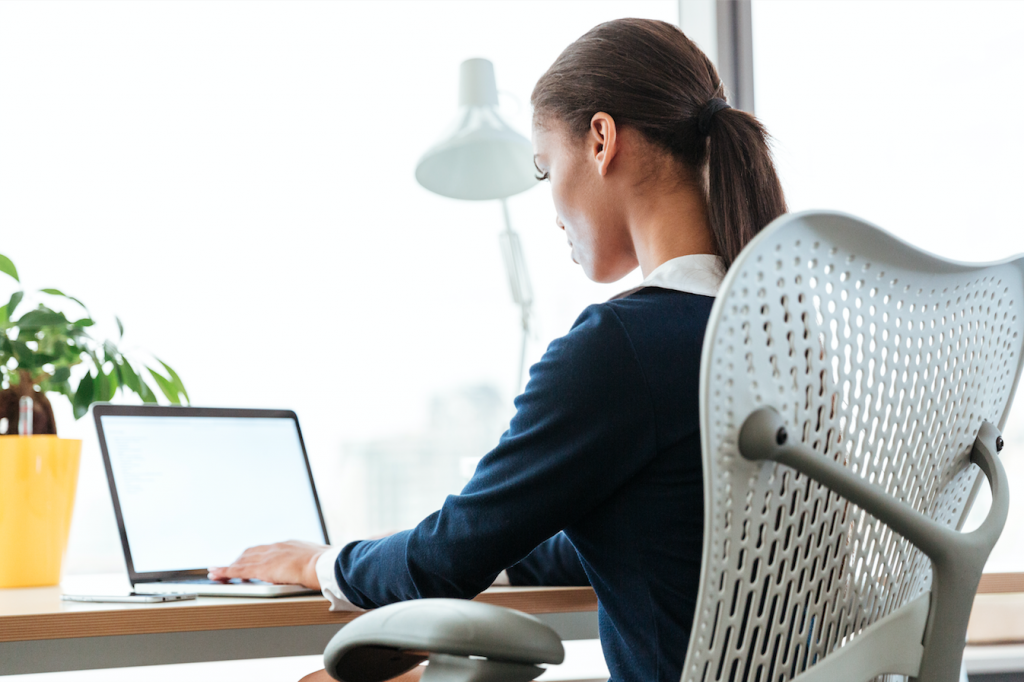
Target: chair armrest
[[391, 640]]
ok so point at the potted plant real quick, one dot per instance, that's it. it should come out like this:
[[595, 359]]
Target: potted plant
[[41, 351]]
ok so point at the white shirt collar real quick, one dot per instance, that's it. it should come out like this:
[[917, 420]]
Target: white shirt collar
[[697, 273]]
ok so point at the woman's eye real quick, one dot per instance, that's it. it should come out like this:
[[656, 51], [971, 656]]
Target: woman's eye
[[543, 176]]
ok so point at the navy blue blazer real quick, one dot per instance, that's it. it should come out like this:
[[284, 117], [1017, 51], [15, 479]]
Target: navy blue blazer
[[605, 446]]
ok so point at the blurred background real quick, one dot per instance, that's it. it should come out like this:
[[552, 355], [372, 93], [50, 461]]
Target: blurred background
[[235, 181]]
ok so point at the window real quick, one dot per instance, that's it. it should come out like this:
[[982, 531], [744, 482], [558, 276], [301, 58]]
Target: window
[[905, 114], [235, 181]]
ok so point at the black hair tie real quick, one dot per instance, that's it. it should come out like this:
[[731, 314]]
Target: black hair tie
[[714, 105]]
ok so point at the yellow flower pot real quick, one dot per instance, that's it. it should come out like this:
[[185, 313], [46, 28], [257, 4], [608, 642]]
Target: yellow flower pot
[[38, 479]]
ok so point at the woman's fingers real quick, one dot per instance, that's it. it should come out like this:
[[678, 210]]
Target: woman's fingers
[[245, 561], [292, 562]]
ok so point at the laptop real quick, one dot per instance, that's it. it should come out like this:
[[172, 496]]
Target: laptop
[[193, 487]]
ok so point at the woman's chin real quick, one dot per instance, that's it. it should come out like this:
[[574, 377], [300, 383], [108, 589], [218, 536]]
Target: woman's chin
[[592, 274], [596, 271], [604, 275]]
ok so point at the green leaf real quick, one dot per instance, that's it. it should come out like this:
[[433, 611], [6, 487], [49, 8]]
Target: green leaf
[[58, 292], [7, 266], [84, 396], [120, 327], [167, 386], [176, 379], [58, 383], [96, 362], [112, 387], [13, 303], [110, 351], [102, 386], [36, 319], [131, 379], [106, 386], [21, 352], [146, 392], [3, 316], [84, 322], [40, 359]]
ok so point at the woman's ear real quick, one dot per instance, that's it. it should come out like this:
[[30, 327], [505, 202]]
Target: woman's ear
[[603, 141]]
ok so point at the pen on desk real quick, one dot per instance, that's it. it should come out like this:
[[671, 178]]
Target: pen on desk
[[25, 416]]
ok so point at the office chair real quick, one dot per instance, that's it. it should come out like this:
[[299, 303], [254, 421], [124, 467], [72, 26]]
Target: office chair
[[848, 383]]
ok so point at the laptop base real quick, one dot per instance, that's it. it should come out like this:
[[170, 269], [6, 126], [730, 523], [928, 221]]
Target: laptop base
[[210, 588]]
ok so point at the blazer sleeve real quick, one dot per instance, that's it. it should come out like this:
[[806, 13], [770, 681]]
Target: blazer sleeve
[[583, 427], [553, 563]]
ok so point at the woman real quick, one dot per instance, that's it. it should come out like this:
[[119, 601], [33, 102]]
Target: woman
[[598, 479]]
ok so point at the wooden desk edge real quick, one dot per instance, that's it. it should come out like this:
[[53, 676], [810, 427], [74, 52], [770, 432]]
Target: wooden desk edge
[[272, 613], [994, 583]]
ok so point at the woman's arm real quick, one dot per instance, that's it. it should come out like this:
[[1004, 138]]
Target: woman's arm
[[554, 563], [583, 428]]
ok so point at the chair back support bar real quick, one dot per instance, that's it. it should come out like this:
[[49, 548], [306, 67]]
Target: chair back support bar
[[957, 558], [881, 364]]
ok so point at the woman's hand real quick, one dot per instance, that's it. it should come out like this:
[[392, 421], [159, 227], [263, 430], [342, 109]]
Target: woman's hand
[[288, 563]]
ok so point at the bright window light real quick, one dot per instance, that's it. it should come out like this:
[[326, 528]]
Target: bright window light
[[907, 114], [235, 181]]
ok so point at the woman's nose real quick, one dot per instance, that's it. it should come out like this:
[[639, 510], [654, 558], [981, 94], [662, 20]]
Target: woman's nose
[[558, 222]]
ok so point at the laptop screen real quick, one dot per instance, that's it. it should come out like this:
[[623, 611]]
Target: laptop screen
[[194, 492]]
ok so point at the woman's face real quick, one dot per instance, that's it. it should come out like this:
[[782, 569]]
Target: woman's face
[[584, 198]]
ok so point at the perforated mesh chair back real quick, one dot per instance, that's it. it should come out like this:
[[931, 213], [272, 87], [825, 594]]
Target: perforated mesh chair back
[[883, 359]]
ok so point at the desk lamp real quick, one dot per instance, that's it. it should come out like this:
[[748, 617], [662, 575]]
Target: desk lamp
[[483, 159]]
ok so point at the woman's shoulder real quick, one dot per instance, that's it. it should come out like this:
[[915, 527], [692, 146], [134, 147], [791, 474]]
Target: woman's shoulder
[[647, 309], [645, 325]]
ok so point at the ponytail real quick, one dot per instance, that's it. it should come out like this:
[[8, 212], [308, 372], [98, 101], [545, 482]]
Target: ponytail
[[744, 193], [649, 76]]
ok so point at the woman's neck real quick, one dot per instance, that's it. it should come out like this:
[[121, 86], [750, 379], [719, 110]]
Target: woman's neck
[[669, 224]]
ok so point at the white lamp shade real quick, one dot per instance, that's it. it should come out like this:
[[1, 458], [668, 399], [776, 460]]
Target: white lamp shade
[[483, 158]]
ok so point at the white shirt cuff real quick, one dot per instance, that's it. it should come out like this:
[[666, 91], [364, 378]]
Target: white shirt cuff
[[329, 584], [332, 591]]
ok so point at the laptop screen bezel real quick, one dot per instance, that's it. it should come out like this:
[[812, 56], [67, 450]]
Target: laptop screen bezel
[[105, 409]]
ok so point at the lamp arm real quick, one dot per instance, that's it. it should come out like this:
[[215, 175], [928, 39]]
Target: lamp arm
[[515, 265], [518, 280]]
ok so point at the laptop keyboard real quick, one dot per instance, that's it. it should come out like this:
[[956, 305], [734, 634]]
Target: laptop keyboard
[[207, 581]]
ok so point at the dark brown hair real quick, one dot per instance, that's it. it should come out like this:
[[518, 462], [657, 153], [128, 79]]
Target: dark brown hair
[[649, 76]]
